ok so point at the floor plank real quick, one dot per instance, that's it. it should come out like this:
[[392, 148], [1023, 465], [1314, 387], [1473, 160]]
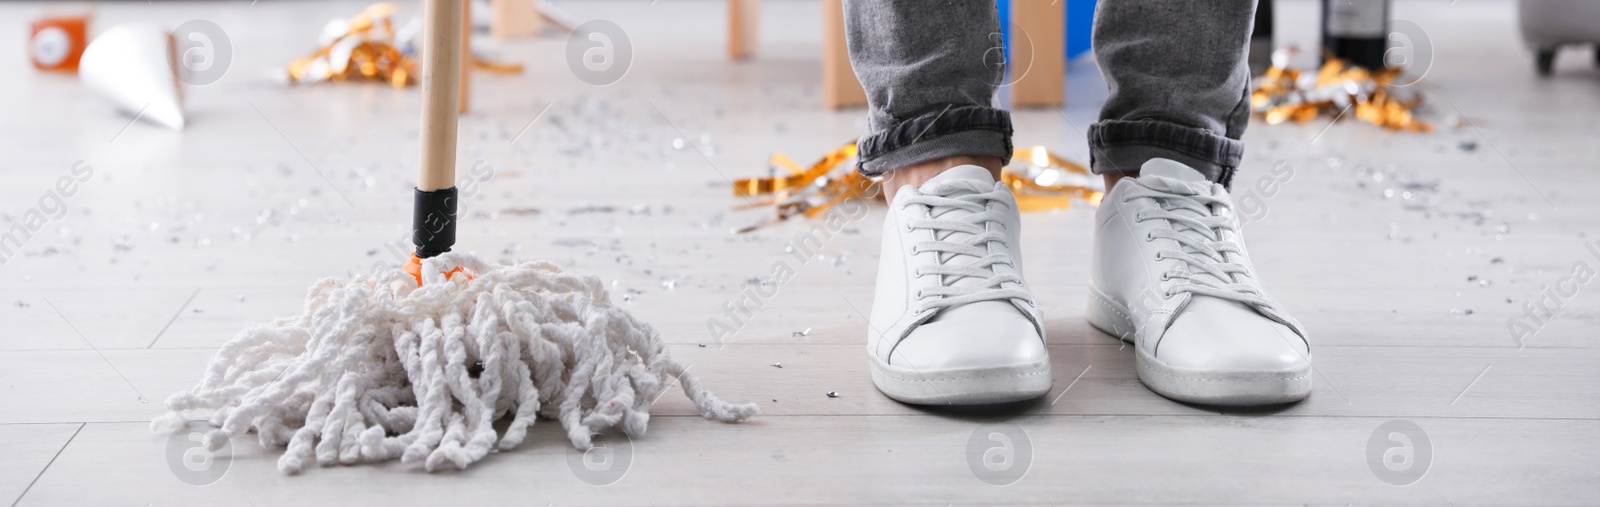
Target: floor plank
[[80, 386], [1203, 459], [28, 449]]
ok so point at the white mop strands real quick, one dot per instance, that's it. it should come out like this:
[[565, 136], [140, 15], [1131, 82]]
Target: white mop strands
[[377, 368]]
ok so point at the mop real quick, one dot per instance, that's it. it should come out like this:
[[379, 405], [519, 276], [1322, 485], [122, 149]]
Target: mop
[[420, 363]]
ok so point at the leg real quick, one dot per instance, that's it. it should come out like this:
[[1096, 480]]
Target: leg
[[952, 322], [1170, 273], [1179, 84], [930, 77], [915, 175]]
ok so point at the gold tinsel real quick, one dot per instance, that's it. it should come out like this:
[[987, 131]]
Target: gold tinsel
[[367, 50], [1040, 180], [370, 50], [1285, 94]]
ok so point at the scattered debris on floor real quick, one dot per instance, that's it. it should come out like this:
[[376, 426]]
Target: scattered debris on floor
[[520, 211], [591, 209]]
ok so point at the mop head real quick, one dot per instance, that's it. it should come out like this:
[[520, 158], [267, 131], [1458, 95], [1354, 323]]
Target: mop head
[[378, 368]]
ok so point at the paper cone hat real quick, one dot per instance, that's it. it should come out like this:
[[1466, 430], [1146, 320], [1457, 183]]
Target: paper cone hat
[[132, 66]]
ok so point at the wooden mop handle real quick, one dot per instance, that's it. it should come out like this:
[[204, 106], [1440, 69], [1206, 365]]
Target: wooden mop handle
[[441, 88], [433, 227]]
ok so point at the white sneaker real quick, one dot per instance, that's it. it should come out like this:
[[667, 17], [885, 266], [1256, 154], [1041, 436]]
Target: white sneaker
[[1171, 275], [952, 323]]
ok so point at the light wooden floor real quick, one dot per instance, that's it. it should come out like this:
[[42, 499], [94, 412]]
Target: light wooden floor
[[179, 240]]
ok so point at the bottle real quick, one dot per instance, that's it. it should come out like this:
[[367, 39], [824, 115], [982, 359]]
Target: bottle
[[1356, 31], [1260, 56]]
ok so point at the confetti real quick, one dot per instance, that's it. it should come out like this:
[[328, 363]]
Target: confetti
[[591, 209], [520, 211]]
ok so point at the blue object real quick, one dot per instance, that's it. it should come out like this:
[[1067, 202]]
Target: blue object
[[1079, 25]]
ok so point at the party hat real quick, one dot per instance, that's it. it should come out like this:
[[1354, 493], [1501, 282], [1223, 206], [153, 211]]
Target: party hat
[[132, 66]]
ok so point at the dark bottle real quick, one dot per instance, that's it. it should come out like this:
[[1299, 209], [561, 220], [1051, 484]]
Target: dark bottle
[[1356, 31], [1261, 39]]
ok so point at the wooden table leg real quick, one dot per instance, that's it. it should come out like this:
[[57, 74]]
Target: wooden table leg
[[840, 88], [514, 18], [744, 18], [1038, 52]]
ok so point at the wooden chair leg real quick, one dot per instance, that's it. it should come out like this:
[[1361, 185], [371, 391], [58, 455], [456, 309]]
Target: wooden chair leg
[[514, 18], [1038, 52], [744, 18], [840, 88]]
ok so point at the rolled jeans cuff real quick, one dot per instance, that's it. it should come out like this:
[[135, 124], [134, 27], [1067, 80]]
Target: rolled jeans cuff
[[947, 132], [1121, 146]]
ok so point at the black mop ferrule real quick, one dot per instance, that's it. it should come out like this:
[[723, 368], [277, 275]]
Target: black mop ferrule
[[433, 222]]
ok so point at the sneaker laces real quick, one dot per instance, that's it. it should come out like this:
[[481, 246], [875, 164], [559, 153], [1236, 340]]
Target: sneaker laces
[[965, 236], [1203, 235]]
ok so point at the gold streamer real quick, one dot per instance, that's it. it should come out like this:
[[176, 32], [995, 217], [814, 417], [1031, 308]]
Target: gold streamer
[[1041, 181], [369, 50], [1047, 182], [495, 67], [1283, 94]]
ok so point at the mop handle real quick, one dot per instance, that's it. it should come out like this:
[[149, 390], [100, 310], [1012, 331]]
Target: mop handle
[[433, 224]]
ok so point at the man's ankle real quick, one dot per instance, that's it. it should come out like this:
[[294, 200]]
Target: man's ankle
[[917, 174], [1111, 179]]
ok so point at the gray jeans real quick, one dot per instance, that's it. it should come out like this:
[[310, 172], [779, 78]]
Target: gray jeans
[[1179, 83]]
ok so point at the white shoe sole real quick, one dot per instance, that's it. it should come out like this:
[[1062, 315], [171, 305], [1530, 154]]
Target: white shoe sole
[[967, 386], [1209, 387]]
